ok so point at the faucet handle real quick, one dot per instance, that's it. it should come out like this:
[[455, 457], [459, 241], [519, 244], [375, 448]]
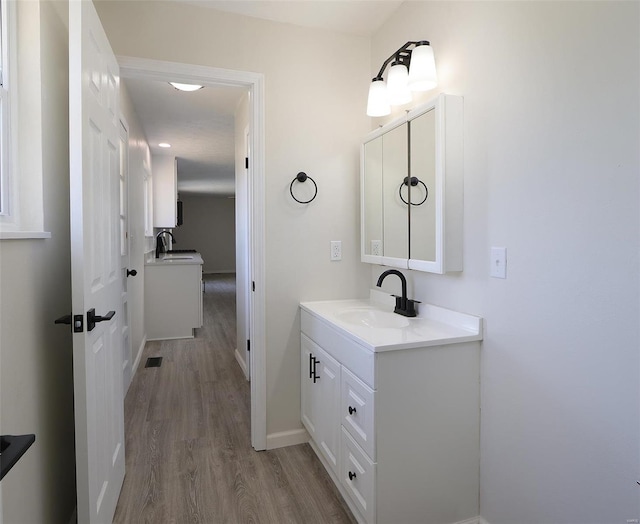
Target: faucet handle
[[408, 309]]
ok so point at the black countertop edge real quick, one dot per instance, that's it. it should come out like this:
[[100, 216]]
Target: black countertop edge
[[12, 447]]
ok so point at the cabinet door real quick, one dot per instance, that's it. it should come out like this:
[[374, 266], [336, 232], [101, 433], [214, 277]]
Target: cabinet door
[[321, 399], [395, 168], [165, 191], [308, 389]]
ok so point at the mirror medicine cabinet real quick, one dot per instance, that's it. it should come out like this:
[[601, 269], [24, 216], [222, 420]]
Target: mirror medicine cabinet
[[412, 189]]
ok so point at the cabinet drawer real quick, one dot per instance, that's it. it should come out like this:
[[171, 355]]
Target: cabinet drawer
[[357, 474], [357, 411]]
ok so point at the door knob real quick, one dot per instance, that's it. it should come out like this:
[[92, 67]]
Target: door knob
[[131, 272], [93, 319]]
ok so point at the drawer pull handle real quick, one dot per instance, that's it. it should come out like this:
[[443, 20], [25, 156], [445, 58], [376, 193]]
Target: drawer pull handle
[[352, 410], [315, 370], [352, 475]]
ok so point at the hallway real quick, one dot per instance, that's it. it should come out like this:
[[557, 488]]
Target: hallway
[[188, 449]]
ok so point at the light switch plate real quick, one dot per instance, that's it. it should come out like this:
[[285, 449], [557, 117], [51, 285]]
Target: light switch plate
[[498, 267]]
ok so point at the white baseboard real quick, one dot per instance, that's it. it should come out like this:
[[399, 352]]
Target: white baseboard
[[287, 438], [241, 363], [482, 521], [474, 520], [136, 363]]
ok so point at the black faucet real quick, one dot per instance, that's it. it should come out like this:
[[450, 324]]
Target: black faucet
[[404, 306], [160, 242]]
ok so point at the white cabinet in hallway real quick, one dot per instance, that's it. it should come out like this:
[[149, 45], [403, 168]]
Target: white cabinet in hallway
[[173, 296], [165, 191]]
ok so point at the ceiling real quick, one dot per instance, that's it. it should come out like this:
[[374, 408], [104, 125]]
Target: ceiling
[[355, 17], [199, 125]]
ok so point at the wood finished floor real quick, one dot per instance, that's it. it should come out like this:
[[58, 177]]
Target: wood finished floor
[[188, 450]]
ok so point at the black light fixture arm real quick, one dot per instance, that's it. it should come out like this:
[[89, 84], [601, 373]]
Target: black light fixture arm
[[402, 55]]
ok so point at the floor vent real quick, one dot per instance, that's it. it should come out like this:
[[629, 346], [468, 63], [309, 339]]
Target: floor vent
[[153, 362]]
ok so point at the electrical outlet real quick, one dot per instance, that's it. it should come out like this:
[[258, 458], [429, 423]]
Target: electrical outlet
[[376, 248], [336, 250]]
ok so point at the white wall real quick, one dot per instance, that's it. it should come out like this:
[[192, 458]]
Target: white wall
[[551, 172], [315, 116], [209, 227], [36, 386], [139, 160]]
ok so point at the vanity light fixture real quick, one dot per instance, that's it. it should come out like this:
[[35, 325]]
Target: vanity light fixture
[[413, 68], [186, 87]]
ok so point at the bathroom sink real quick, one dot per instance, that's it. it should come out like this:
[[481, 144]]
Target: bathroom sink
[[372, 318], [373, 324], [177, 257]]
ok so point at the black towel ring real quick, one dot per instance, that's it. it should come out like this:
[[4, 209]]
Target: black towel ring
[[414, 182], [302, 177]]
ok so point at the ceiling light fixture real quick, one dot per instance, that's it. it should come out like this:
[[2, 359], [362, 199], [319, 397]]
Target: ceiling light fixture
[[186, 87], [164, 144], [413, 68]]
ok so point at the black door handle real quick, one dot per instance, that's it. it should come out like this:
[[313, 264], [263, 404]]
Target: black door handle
[[76, 320], [92, 318], [131, 272]]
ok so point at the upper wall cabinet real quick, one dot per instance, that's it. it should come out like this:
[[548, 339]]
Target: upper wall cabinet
[[412, 189], [165, 191]]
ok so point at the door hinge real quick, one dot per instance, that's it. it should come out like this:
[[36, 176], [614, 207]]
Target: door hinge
[[253, 285], [246, 162], [248, 345]]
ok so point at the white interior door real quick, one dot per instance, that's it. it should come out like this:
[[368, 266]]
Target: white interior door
[[95, 264], [125, 255]]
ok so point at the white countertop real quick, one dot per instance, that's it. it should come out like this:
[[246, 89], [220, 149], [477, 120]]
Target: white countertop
[[178, 259], [373, 324]]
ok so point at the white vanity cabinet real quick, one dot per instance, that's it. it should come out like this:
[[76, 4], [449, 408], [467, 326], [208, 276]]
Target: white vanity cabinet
[[397, 430]]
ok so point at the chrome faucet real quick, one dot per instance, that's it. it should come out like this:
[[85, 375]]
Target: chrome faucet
[[160, 248], [404, 306]]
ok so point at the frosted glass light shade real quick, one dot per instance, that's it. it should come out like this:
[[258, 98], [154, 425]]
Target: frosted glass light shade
[[422, 71], [398, 84], [378, 103], [186, 87]]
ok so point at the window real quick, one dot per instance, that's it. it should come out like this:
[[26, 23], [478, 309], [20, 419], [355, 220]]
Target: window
[[21, 169], [4, 110]]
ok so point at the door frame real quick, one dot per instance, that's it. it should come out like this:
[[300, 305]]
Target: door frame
[[148, 69]]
